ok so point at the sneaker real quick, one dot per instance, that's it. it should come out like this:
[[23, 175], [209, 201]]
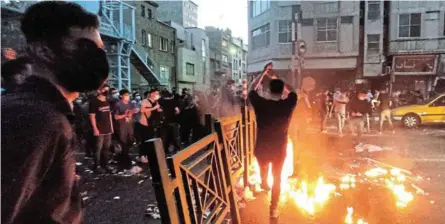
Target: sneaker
[[274, 213], [265, 187]]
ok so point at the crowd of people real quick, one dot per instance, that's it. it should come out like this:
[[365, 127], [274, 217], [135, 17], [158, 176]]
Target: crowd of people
[[355, 108], [113, 121], [55, 101]]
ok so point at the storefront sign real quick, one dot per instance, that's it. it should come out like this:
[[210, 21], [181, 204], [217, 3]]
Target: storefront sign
[[415, 65]]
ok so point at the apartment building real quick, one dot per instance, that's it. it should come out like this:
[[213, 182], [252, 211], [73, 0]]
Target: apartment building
[[238, 52], [416, 46], [219, 54], [184, 13], [156, 41], [193, 64], [329, 28]]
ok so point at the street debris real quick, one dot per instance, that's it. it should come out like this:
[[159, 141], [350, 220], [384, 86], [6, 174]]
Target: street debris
[[370, 148], [85, 198], [153, 211], [141, 181], [117, 198]]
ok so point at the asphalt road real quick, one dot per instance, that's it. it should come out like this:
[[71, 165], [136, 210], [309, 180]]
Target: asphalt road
[[125, 199]]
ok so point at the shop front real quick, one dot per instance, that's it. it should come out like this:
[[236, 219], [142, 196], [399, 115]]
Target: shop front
[[415, 72]]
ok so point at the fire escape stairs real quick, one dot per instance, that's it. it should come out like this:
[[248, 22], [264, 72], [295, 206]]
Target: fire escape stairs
[[141, 61]]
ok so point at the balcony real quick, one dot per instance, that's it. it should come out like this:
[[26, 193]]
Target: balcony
[[418, 45]]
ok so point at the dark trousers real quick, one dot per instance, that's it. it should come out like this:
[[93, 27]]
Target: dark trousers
[[170, 136], [101, 150], [277, 167], [126, 139], [145, 133]]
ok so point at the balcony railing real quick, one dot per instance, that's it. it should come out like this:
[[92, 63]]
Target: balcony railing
[[143, 53]]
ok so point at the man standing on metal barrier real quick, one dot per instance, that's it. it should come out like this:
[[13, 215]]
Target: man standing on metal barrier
[[273, 116]]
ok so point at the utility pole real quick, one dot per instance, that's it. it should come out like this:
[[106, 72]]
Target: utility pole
[[298, 50], [294, 52]]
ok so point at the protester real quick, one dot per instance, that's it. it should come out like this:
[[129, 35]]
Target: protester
[[340, 101], [102, 125], [123, 113], [273, 116], [190, 120], [15, 71], [170, 127], [385, 104], [323, 108], [150, 119], [39, 184], [360, 107]]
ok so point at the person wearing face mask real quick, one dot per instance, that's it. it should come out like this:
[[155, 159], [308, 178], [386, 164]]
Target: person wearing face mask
[[39, 181], [149, 121], [102, 123], [123, 113], [15, 71]]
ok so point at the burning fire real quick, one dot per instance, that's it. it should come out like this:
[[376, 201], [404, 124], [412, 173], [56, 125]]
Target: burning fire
[[307, 196], [394, 181], [350, 219], [310, 197]]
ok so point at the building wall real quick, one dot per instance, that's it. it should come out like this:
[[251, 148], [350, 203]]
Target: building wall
[[342, 53], [190, 14], [171, 10], [195, 50], [432, 34], [373, 26], [157, 30]]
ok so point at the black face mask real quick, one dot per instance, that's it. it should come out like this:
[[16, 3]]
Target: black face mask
[[84, 69]]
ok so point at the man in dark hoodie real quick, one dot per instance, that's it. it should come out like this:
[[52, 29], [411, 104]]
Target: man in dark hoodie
[[39, 183]]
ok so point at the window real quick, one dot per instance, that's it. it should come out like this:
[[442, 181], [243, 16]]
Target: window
[[327, 29], [224, 58], [373, 43], [144, 38], [164, 73], [163, 44], [149, 14], [259, 6], [373, 10], [189, 69], [172, 46], [149, 43], [203, 49], [326, 7], [439, 102], [143, 10], [285, 31], [261, 37], [409, 25]]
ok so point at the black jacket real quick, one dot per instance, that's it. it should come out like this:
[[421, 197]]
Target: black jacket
[[38, 160]]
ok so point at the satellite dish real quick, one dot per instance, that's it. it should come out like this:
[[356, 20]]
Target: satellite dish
[[90, 6]]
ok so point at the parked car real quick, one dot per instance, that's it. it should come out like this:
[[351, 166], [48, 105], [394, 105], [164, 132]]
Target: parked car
[[433, 111]]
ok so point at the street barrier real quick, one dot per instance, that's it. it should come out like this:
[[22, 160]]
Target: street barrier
[[197, 185]]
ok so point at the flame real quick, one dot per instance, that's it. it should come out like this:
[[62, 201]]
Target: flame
[[394, 181], [350, 219], [307, 196], [347, 182]]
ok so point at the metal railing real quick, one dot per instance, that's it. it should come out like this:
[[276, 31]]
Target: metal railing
[[196, 185]]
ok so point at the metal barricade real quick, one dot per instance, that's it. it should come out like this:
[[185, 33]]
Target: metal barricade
[[195, 186]]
